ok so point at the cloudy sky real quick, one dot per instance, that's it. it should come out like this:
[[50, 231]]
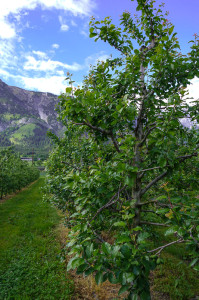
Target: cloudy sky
[[40, 40]]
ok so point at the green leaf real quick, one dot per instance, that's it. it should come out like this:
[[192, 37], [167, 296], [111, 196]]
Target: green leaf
[[171, 29], [89, 271], [69, 266], [77, 262], [82, 268], [142, 236], [123, 239], [92, 34], [129, 180], [106, 248], [136, 271], [137, 228], [68, 90], [145, 295], [112, 278], [119, 224], [126, 251], [115, 251], [123, 289], [99, 277], [171, 230], [89, 250], [193, 262]]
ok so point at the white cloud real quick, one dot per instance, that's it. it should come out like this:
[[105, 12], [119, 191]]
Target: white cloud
[[64, 27], [85, 33], [93, 59], [61, 73], [73, 23], [48, 65], [4, 74], [40, 54], [8, 58], [55, 46], [193, 88], [54, 84], [8, 30], [85, 30]]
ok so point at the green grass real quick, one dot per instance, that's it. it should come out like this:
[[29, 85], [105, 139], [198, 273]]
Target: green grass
[[24, 131], [9, 117], [30, 253], [174, 279]]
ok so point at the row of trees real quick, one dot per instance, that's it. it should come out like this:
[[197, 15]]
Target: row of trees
[[126, 165], [14, 173]]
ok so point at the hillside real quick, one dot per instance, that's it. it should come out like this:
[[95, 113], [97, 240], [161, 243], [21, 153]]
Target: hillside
[[25, 118]]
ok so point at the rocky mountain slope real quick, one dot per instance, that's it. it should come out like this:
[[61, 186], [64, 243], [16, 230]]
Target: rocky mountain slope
[[26, 116]]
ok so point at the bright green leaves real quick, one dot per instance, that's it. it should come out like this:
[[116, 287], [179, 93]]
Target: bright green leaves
[[68, 90], [92, 33], [123, 238], [119, 224]]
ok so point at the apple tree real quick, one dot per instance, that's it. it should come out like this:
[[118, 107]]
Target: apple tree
[[127, 165]]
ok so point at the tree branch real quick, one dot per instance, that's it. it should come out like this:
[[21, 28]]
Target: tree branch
[[165, 246], [111, 202], [95, 233], [150, 211], [156, 224], [108, 132], [181, 158], [184, 157], [153, 182], [191, 235], [104, 131], [145, 203], [146, 135], [149, 169], [115, 143]]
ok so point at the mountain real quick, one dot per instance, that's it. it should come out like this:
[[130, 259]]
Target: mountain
[[186, 122], [25, 118]]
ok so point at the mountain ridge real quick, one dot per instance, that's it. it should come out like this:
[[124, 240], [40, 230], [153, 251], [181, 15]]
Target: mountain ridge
[[26, 116]]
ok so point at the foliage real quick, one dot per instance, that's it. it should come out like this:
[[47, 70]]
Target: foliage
[[14, 174], [119, 170], [30, 253]]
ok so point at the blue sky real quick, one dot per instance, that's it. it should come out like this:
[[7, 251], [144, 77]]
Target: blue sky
[[40, 40]]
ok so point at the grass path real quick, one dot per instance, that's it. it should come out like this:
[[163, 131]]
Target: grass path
[[30, 264]]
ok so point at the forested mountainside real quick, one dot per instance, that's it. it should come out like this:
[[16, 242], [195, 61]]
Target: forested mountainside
[[26, 116]]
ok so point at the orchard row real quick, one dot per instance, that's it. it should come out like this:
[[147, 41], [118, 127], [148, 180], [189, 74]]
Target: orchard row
[[14, 173]]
